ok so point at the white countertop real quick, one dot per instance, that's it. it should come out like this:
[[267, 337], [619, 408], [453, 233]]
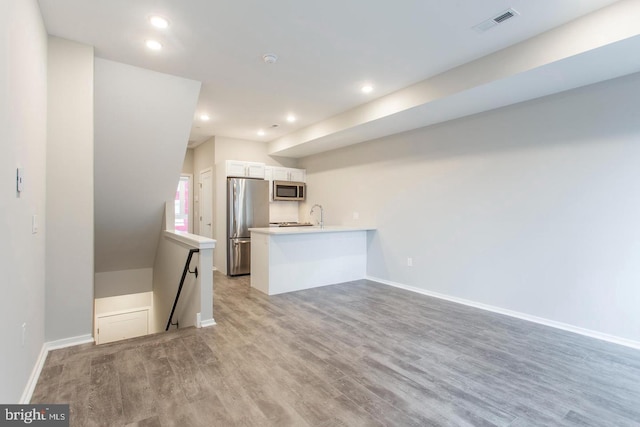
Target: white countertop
[[308, 230]]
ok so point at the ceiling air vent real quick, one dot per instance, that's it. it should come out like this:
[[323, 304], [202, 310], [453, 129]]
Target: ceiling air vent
[[498, 19]]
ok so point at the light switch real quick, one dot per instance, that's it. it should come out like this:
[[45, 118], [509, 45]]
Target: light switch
[[34, 224], [19, 179]]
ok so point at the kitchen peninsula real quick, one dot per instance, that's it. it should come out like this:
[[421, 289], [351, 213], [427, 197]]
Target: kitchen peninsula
[[286, 259]]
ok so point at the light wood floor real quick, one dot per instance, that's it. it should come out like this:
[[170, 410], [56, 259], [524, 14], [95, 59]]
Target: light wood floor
[[353, 354]]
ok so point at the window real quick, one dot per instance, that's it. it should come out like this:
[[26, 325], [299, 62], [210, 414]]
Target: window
[[183, 201]]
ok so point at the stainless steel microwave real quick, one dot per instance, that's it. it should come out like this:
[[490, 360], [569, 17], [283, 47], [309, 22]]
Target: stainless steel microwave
[[288, 190]]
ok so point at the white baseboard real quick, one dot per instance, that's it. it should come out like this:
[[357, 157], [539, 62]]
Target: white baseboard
[[523, 316], [35, 374], [69, 342], [42, 357], [207, 323]]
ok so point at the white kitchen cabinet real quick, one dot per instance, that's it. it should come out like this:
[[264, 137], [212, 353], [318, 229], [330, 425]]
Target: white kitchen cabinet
[[255, 170], [281, 174], [288, 174], [240, 168], [298, 175]]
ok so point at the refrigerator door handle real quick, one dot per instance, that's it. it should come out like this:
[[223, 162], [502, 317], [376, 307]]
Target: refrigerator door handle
[[244, 242], [235, 210]]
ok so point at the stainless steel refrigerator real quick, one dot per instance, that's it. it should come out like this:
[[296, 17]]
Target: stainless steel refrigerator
[[247, 207]]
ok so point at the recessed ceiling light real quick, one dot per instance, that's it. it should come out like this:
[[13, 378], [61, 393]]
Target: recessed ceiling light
[[153, 44], [159, 21], [205, 117], [291, 118], [261, 132], [367, 89]]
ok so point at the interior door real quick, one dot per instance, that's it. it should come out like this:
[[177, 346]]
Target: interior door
[[122, 326], [206, 203]]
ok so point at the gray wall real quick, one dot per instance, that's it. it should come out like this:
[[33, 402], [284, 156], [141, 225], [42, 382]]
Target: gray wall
[[123, 282], [532, 208], [69, 303], [142, 124], [187, 163], [23, 127]]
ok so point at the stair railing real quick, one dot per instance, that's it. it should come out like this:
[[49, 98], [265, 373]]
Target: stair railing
[[184, 275]]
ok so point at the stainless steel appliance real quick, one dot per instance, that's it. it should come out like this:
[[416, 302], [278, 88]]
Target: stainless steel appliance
[[247, 207], [289, 190], [290, 224]]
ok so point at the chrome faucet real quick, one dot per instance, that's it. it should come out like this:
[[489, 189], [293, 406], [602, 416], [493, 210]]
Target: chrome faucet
[[321, 214]]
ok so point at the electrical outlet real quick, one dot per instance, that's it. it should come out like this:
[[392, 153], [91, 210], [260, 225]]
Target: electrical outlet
[[24, 332], [409, 262]]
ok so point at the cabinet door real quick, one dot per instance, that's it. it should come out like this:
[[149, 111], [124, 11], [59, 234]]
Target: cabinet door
[[280, 174], [268, 173], [297, 175], [255, 170], [122, 326], [235, 168]]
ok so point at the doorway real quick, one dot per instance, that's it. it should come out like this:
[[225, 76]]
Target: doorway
[[183, 204], [206, 203]]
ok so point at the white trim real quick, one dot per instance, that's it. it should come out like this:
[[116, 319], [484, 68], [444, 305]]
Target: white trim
[[207, 323], [523, 316], [190, 240], [42, 357], [203, 323], [69, 342], [35, 374]]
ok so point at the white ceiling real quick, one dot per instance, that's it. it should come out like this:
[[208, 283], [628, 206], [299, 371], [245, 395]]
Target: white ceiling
[[326, 50]]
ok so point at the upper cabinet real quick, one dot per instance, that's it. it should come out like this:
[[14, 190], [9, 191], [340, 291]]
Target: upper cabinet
[[239, 168], [245, 169], [287, 174]]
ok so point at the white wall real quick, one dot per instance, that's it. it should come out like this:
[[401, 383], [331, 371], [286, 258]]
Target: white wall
[[143, 120], [120, 303], [250, 151], [123, 282], [532, 208], [69, 296], [23, 126]]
